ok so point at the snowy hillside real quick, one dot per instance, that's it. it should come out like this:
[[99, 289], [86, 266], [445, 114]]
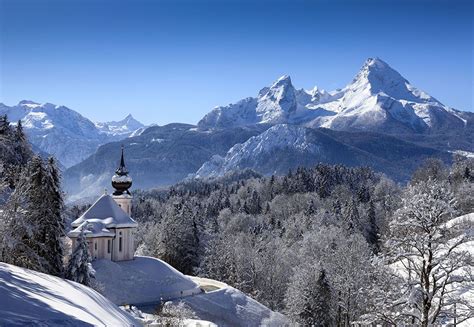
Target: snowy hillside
[[142, 280], [378, 99], [145, 282], [228, 306], [161, 155], [284, 147], [63, 132], [31, 298]]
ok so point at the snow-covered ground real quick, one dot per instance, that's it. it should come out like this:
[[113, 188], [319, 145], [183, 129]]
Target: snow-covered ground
[[146, 281], [230, 307], [31, 298], [142, 280]]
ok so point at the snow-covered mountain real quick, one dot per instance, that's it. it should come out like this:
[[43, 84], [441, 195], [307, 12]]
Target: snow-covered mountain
[[283, 147], [126, 126], [161, 155], [378, 99], [65, 133]]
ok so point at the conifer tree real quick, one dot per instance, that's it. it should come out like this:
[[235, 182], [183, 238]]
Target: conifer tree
[[372, 231], [53, 223], [79, 268], [309, 297], [22, 148], [18, 229]]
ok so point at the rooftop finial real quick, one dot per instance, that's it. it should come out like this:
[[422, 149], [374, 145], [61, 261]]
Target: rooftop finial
[[122, 170], [122, 162], [121, 181]]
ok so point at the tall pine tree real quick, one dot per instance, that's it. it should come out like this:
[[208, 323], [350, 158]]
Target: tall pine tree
[[54, 223]]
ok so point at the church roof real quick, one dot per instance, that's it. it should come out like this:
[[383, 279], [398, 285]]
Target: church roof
[[92, 228], [108, 212]]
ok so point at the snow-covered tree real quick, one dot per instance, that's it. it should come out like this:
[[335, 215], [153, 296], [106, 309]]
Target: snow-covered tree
[[79, 267], [53, 223], [175, 239], [17, 231], [372, 228], [428, 250], [309, 297]]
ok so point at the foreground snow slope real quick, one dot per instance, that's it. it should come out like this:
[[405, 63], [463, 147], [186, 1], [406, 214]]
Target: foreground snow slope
[[31, 298], [142, 280]]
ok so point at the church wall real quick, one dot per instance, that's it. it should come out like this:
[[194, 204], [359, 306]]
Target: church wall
[[102, 248], [125, 202], [128, 244]]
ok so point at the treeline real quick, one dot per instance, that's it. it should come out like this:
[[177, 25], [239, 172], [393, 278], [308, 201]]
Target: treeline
[[305, 244]]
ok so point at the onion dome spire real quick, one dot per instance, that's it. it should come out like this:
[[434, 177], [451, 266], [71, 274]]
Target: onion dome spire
[[121, 182]]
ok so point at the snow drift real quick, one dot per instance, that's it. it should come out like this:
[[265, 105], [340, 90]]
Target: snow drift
[[142, 280], [32, 298]]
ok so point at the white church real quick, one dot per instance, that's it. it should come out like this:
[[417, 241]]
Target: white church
[[107, 224]]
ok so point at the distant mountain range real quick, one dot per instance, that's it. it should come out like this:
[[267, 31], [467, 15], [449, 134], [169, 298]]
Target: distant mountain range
[[379, 120], [377, 99], [161, 155], [63, 132]]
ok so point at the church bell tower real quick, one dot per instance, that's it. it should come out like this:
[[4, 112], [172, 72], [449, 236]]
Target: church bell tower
[[121, 182]]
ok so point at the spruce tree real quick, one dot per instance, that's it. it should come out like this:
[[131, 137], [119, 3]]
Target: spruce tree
[[351, 216], [372, 231], [322, 301], [22, 148], [79, 269], [18, 230], [309, 298], [54, 223], [36, 212]]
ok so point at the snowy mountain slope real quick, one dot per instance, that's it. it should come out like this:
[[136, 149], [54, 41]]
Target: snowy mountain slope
[[161, 155], [378, 99], [279, 103], [126, 126], [284, 147], [63, 132], [142, 280], [30, 298]]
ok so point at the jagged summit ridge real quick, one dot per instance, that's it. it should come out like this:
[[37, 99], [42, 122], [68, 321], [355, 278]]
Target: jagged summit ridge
[[378, 99]]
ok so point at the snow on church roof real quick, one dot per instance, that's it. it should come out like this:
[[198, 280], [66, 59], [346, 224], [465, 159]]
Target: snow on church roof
[[92, 228], [106, 211]]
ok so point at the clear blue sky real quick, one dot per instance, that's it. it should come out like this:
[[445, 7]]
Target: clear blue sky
[[172, 61]]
